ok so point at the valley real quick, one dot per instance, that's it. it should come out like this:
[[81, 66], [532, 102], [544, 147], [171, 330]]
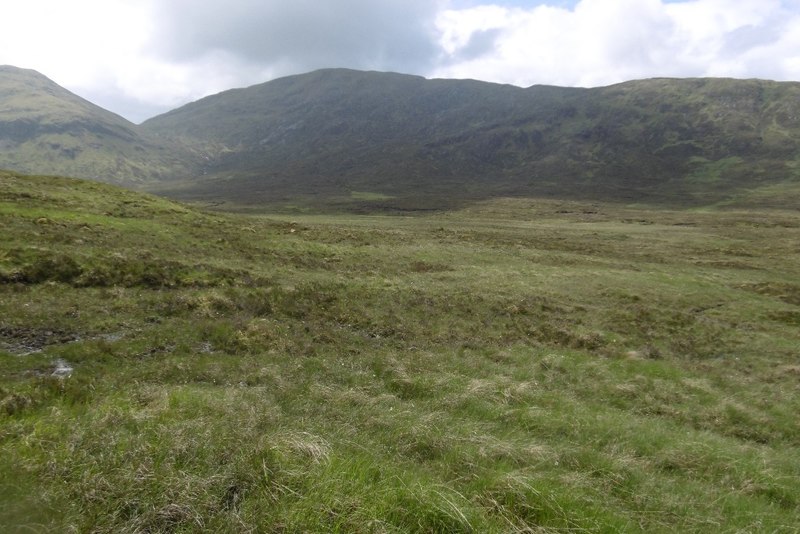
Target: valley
[[308, 142], [352, 301], [513, 365]]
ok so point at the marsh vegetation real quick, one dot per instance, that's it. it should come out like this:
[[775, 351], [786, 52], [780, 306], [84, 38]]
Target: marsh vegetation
[[518, 365]]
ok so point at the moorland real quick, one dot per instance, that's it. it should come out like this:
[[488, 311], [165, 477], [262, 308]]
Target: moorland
[[518, 365], [369, 302]]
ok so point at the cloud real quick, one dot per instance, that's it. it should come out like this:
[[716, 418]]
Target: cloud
[[141, 57], [89, 46], [144, 56], [302, 34], [599, 42]]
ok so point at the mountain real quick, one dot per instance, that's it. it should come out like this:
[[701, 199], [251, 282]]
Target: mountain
[[46, 129], [352, 139], [407, 141]]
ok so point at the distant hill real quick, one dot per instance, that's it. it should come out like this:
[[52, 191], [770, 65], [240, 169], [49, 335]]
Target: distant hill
[[46, 129], [333, 132], [352, 139]]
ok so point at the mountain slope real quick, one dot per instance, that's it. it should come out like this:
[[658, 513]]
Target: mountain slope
[[46, 129], [354, 139], [332, 132]]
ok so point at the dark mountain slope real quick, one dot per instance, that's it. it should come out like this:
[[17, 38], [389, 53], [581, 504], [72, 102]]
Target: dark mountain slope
[[332, 132], [46, 129], [342, 137]]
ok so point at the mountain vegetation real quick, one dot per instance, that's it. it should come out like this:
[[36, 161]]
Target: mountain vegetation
[[428, 143], [519, 365], [590, 322], [342, 139], [46, 129]]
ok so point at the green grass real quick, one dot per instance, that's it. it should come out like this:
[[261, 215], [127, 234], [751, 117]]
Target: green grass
[[519, 365], [366, 195], [711, 172]]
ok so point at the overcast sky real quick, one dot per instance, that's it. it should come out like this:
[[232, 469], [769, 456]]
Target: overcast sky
[[139, 58]]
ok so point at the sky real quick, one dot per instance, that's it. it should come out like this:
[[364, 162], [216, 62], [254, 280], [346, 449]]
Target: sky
[[140, 58]]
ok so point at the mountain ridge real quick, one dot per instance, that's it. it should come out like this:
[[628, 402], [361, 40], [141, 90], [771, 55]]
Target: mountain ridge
[[330, 132], [327, 136]]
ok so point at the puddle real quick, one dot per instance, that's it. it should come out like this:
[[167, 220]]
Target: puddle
[[112, 337], [61, 369]]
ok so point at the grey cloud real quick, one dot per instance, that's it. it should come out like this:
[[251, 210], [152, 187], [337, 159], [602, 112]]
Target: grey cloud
[[303, 34], [480, 43], [748, 37]]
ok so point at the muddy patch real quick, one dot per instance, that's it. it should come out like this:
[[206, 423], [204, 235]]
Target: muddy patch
[[58, 368], [788, 293], [22, 340], [791, 318]]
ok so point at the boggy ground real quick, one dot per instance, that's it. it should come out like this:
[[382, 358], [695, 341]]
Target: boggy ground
[[517, 366]]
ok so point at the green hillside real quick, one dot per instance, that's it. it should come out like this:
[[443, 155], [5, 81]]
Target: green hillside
[[46, 129], [323, 136], [367, 141], [517, 366]]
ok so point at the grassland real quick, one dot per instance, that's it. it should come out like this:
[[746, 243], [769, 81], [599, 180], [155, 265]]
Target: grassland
[[516, 366]]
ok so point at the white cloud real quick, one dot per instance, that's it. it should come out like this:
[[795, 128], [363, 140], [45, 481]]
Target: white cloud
[[92, 47], [76, 41], [600, 42]]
